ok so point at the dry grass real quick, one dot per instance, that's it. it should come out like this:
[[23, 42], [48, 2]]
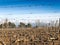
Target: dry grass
[[31, 36]]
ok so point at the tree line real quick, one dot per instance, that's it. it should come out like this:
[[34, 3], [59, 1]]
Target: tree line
[[13, 25]]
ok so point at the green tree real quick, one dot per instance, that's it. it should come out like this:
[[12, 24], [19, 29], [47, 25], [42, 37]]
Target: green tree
[[0, 25], [28, 25], [5, 25], [11, 25], [22, 24]]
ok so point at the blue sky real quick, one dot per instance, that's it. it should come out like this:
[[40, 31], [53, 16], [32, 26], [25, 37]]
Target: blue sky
[[30, 9]]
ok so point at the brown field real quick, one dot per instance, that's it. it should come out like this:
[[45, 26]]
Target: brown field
[[30, 36]]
